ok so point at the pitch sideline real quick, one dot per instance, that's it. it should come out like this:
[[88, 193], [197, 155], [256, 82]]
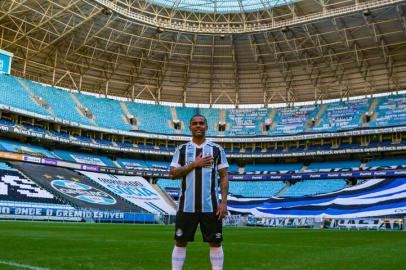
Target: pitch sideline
[[19, 265]]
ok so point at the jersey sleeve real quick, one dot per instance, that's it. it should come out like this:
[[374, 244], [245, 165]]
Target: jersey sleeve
[[223, 163], [176, 158]]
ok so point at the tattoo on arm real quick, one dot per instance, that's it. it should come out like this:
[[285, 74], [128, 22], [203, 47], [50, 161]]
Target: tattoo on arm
[[179, 172]]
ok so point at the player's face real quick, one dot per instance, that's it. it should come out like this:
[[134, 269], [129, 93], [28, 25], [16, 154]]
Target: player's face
[[198, 126]]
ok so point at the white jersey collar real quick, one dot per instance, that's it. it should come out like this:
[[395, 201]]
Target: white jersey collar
[[199, 146]]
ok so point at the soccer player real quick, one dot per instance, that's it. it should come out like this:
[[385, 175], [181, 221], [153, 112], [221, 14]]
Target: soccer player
[[200, 164]]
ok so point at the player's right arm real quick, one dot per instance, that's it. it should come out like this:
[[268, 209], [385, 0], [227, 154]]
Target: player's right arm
[[181, 171]]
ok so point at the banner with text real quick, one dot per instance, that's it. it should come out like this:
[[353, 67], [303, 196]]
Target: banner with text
[[134, 189]]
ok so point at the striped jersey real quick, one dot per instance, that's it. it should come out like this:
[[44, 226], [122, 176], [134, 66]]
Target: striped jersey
[[200, 187]]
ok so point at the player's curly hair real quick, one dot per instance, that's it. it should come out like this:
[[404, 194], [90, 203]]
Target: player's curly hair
[[198, 115]]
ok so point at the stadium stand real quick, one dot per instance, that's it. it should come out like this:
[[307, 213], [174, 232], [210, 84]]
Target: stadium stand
[[267, 189], [313, 187], [13, 94], [234, 168], [151, 118], [333, 165], [131, 163], [331, 117], [292, 120], [168, 183], [255, 189], [184, 115], [7, 123], [273, 167], [17, 147], [245, 122], [155, 164], [247, 189], [61, 103], [390, 111], [85, 158], [343, 115], [213, 117], [102, 109], [388, 162]]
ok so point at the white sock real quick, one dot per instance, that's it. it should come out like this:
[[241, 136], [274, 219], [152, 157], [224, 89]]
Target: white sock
[[178, 257], [216, 257]]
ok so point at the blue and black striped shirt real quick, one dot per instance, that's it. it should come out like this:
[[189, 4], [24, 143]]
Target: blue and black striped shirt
[[200, 186]]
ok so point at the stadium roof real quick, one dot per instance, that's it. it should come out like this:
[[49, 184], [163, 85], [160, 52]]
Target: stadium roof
[[220, 6], [300, 51]]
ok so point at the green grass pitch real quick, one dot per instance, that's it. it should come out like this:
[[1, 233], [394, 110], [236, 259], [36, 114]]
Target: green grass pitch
[[42, 245]]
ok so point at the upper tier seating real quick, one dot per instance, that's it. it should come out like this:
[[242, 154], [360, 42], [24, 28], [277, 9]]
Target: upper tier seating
[[390, 111], [343, 115], [110, 113], [213, 118], [151, 118], [313, 187], [12, 93], [107, 112], [185, 114], [61, 103], [245, 122], [292, 120]]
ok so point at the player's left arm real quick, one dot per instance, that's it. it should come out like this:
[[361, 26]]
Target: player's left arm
[[222, 208]]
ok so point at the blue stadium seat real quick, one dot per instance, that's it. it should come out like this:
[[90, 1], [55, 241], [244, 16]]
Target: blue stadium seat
[[390, 111], [292, 120], [244, 122], [61, 103], [13, 94], [107, 112], [17, 147], [387, 162], [313, 187], [273, 167], [320, 166], [255, 189], [343, 115], [85, 158], [151, 118], [130, 163]]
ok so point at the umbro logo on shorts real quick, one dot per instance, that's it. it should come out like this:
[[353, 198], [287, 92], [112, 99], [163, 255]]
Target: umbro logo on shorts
[[179, 232], [218, 235]]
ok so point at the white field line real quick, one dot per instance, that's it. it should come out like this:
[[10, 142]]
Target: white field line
[[24, 266]]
